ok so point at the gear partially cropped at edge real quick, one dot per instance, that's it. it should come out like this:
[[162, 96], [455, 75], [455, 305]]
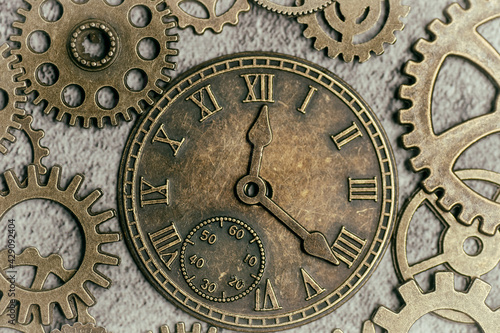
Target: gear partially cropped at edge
[[452, 142], [80, 328], [349, 27], [95, 46], [36, 300], [10, 84], [307, 7], [213, 21], [34, 136], [180, 327], [445, 297]]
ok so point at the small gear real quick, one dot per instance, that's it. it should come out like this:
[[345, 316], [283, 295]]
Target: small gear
[[213, 21], [80, 328], [95, 61], [438, 153], [9, 96], [348, 27], [93, 239], [445, 297], [181, 328], [305, 7], [34, 136]]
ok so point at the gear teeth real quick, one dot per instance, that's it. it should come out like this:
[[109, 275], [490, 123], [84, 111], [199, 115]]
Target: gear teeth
[[46, 314], [467, 216], [431, 183], [11, 180], [445, 281], [91, 198], [73, 119], [75, 184], [386, 318], [423, 46], [436, 27], [480, 289], [368, 327], [9, 137], [4, 302], [446, 202], [454, 10], [100, 280], [23, 313], [409, 291], [108, 259], [85, 297], [66, 310], [55, 177]]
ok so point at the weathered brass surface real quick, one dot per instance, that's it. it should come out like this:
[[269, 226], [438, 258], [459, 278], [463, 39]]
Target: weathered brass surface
[[94, 22], [9, 88], [213, 22], [34, 136], [451, 241], [39, 299], [80, 328], [181, 328], [352, 18], [302, 7], [437, 153], [259, 193], [445, 297]]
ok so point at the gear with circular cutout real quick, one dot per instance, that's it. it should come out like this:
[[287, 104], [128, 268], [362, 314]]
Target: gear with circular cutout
[[445, 297], [181, 328], [213, 21], [80, 328], [306, 7], [438, 153], [93, 239], [348, 26], [34, 136], [102, 61], [10, 84]]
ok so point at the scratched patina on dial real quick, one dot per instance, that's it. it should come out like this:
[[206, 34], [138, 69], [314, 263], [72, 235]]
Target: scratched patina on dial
[[292, 157]]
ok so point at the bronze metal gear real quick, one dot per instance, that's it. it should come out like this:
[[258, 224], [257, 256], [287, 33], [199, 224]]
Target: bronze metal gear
[[445, 297], [80, 328], [34, 136], [93, 239], [438, 153], [213, 21], [45, 266], [181, 328], [302, 8], [451, 241], [78, 78], [9, 93], [348, 27]]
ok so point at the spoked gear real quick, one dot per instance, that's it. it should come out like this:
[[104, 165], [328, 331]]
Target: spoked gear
[[102, 61], [45, 266], [89, 223], [348, 27], [181, 328], [438, 153], [80, 328], [34, 136], [9, 90], [451, 250], [305, 7], [445, 297], [213, 21]]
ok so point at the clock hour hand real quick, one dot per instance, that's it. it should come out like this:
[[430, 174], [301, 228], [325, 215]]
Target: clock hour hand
[[259, 135]]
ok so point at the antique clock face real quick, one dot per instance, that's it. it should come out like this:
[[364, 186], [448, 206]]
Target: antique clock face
[[259, 193]]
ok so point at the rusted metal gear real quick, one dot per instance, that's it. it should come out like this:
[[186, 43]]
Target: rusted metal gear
[[213, 21], [438, 153], [305, 7], [89, 224], [9, 90], [101, 62], [348, 27], [80, 328], [34, 136], [445, 297], [181, 328]]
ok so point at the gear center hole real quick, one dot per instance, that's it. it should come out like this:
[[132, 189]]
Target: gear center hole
[[473, 246]]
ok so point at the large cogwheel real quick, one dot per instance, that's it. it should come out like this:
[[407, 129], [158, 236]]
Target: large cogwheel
[[344, 17], [453, 142], [9, 97], [43, 300], [445, 297], [92, 60]]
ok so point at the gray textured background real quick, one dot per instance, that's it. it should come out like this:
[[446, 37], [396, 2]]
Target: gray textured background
[[131, 304]]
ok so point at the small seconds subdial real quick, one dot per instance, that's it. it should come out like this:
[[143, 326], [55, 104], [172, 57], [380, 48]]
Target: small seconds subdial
[[222, 259]]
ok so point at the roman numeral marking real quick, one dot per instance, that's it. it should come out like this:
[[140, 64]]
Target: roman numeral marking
[[161, 136], [347, 135], [347, 247], [363, 189], [313, 289], [306, 102], [161, 197], [260, 87], [163, 240], [207, 108], [270, 302]]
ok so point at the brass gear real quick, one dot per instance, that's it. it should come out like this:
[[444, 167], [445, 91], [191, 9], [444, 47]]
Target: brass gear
[[307, 7], [181, 328], [93, 239], [93, 21], [214, 21], [348, 28], [34, 136], [451, 143], [445, 297], [11, 85], [80, 328]]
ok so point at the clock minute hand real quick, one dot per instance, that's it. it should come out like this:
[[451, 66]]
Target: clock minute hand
[[259, 135], [314, 243]]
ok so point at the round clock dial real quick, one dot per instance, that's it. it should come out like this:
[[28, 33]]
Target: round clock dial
[[259, 193]]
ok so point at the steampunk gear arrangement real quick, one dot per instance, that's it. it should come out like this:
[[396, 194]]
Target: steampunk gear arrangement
[[196, 166]]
